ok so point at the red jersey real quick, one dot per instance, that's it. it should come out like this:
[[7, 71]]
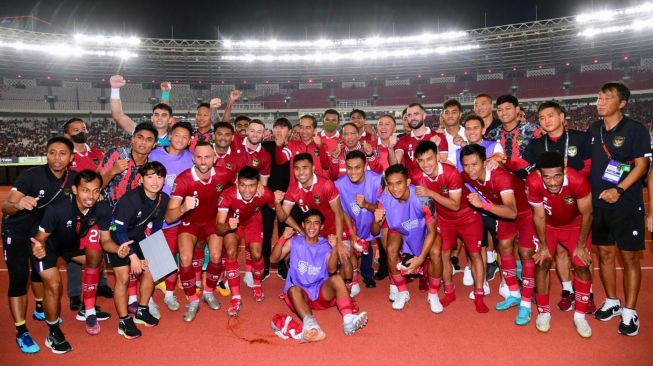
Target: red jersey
[[447, 181], [89, 159], [294, 147], [500, 181], [408, 143], [561, 208], [318, 196], [258, 158], [338, 168], [382, 155], [367, 137], [232, 160], [232, 202], [328, 144], [189, 184]]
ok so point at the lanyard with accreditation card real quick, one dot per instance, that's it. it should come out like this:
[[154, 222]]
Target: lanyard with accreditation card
[[615, 170]]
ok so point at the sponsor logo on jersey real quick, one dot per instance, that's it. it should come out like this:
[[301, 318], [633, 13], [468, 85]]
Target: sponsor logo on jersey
[[304, 267], [410, 224], [355, 208]]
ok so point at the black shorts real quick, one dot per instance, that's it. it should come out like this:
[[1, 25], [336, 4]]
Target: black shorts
[[52, 254], [489, 227], [114, 261], [626, 228]]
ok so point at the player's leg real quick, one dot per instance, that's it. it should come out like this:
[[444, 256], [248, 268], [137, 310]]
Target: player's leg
[[231, 242], [90, 280], [582, 287], [382, 270], [448, 237], [74, 287], [402, 295], [126, 326], [435, 272], [52, 305], [299, 301], [543, 283], [632, 282], [528, 284], [508, 266], [186, 242], [335, 289], [213, 271], [258, 266], [146, 288], [170, 300], [563, 265], [198, 261]]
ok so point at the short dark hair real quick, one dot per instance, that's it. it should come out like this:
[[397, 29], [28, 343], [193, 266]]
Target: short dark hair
[[154, 166], [303, 156], [241, 117], [203, 105], [67, 124], [473, 149], [362, 113], [483, 95], [550, 159], [203, 143], [257, 121], [452, 103], [411, 105], [396, 168], [403, 113], [147, 126], [167, 107], [332, 111], [226, 125], [474, 116], [63, 140], [87, 175], [550, 104], [249, 172], [425, 146], [622, 90], [313, 212], [313, 119], [184, 125], [282, 122], [507, 98], [356, 154], [350, 124]]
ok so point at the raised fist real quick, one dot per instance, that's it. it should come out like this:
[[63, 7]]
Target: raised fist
[[117, 81]]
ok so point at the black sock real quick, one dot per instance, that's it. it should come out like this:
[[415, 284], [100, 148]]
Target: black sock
[[39, 306], [123, 318], [53, 327], [20, 329]]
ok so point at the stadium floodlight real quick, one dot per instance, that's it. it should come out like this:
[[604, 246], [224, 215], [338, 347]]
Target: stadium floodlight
[[637, 25], [103, 40], [65, 50], [607, 15]]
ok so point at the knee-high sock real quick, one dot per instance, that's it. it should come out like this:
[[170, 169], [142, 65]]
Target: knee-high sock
[[257, 271], [187, 276], [213, 271], [248, 259], [171, 282], [582, 291], [543, 303], [528, 279], [509, 270], [198, 260], [132, 288], [344, 305], [90, 279], [434, 284], [233, 277], [399, 281]]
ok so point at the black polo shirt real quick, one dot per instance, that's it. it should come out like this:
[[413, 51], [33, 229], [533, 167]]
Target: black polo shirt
[[135, 214], [628, 140], [578, 150], [279, 174], [66, 224], [37, 182], [494, 124]]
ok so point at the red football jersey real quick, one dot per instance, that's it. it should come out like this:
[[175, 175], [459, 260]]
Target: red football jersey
[[382, 155], [338, 166], [294, 147], [232, 202], [89, 159], [448, 180], [232, 160], [258, 159], [498, 181], [317, 196], [561, 208], [328, 144], [189, 184], [408, 143]]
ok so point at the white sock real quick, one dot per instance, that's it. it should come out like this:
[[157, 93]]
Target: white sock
[[169, 294], [610, 303], [578, 315], [515, 294], [347, 318], [627, 314], [566, 286], [525, 303], [90, 311], [490, 256], [132, 299]]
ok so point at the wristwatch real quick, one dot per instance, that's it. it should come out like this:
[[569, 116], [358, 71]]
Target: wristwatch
[[619, 190]]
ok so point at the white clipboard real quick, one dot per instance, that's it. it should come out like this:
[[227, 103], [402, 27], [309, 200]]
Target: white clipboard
[[159, 258]]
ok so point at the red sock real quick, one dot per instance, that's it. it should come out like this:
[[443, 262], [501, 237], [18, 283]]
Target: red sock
[[434, 284], [171, 282], [90, 280], [344, 305], [509, 270], [399, 281], [188, 282], [582, 290], [132, 287], [528, 279], [543, 303], [213, 271], [479, 294], [248, 259], [257, 271], [449, 294], [198, 260], [233, 277]]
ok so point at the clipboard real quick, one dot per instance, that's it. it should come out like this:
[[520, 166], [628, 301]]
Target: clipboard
[[159, 258]]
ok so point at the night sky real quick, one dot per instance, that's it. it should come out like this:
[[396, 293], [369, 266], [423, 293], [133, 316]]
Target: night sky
[[238, 19]]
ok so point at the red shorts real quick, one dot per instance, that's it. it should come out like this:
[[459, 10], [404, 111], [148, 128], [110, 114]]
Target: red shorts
[[318, 304], [251, 231], [523, 225], [469, 228], [91, 240], [568, 238], [170, 234], [200, 230]]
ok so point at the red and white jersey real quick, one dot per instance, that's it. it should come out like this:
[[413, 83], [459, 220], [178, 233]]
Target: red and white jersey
[[232, 202], [498, 182], [561, 208], [447, 181], [232, 160], [408, 143], [89, 159], [318, 196], [189, 184], [294, 147], [367, 137], [382, 155], [328, 144], [258, 158], [338, 166]]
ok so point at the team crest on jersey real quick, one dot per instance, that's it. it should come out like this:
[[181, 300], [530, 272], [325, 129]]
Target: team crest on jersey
[[69, 223], [218, 187], [618, 141], [569, 200], [92, 221], [316, 153], [255, 162], [67, 191], [74, 164], [572, 151], [355, 208], [96, 161], [257, 208], [444, 190], [229, 166], [41, 193], [316, 199], [520, 140]]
